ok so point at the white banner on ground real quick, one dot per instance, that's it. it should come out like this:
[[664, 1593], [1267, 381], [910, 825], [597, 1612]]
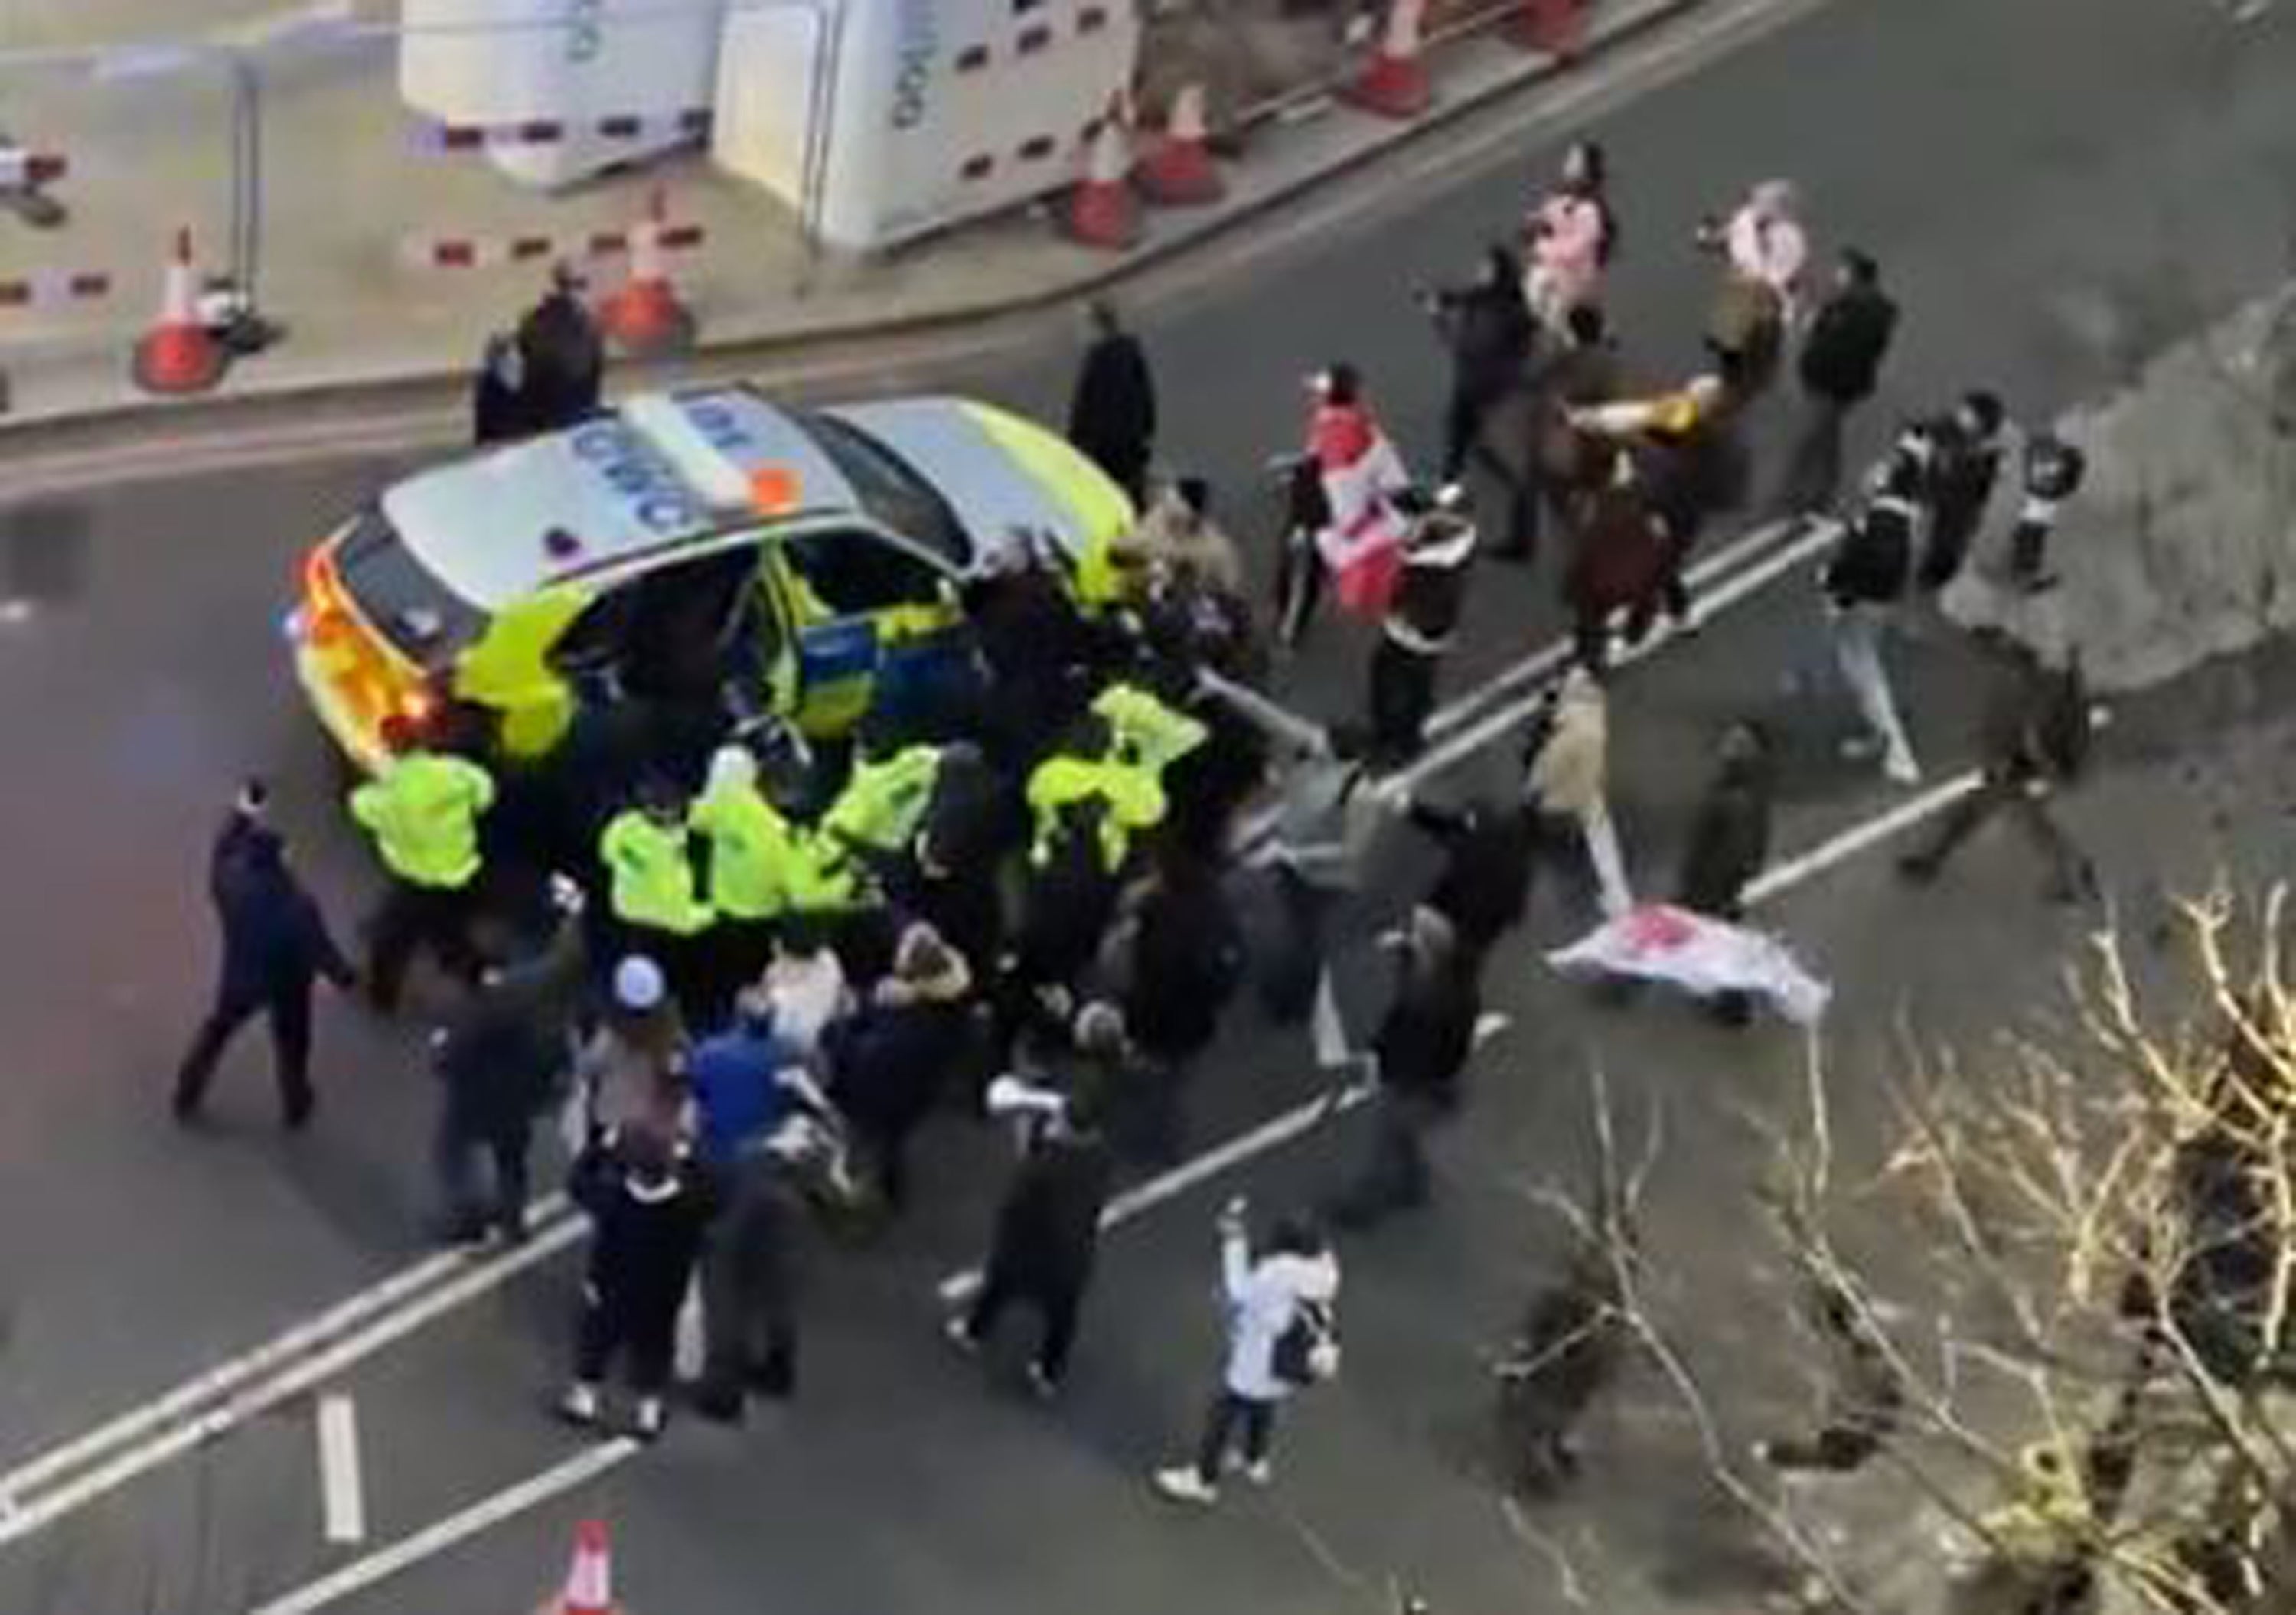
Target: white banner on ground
[[1659, 942]]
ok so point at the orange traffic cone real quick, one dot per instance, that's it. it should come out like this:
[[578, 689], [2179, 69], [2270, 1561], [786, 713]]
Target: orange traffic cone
[[1179, 170], [1394, 84], [1553, 28], [589, 1578], [1102, 211], [179, 354], [644, 316]]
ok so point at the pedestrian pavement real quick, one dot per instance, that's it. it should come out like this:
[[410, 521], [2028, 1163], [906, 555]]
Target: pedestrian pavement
[[345, 194]]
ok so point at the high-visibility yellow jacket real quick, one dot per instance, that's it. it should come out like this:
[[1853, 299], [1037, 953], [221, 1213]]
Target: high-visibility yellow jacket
[[651, 877], [1146, 731], [752, 851], [822, 875], [1133, 799], [885, 799], [423, 811]]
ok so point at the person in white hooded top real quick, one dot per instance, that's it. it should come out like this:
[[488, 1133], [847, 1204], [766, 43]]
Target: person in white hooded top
[[1289, 1291]]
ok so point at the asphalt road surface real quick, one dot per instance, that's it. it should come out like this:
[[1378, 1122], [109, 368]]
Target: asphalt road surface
[[2052, 188]]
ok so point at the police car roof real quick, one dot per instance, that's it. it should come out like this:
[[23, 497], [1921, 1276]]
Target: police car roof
[[660, 471]]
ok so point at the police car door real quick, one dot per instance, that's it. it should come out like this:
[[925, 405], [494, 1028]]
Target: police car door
[[876, 622]]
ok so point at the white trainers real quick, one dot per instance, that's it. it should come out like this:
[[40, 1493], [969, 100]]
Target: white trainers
[[1901, 768], [959, 1335], [580, 1404], [650, 1415], [1182, 1484], [1259, 1471]]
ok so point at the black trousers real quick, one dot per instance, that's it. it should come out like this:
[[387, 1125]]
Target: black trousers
[[1813, 473], [749, 1322], [642, 1338], [1057, 1302], [2004, 790], [1231, 1416], [1953, 526], [287, 1006], [456, 1153], [1299, 584], [1401, 696], [411, 916], [1395, 1176]]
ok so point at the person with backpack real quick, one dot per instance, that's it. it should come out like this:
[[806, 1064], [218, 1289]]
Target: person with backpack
[[2054, 470], [1281, 1337], [1863, 580], [2035, 739]]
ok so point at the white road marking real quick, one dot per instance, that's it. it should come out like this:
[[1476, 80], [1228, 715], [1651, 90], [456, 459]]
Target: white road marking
[[1858, 837], [459, 1527], [302, 1374], [342, 1490], [268, 1357], [1326, 1030]]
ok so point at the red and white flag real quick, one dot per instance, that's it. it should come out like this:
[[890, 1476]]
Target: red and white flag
[[1659, 942]]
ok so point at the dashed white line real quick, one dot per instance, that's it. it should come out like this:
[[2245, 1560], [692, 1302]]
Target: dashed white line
[[343, 1490]]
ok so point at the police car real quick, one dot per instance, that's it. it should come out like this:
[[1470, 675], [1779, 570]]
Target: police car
[[703, 539]]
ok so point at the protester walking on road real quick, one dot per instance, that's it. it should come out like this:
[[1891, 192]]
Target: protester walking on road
[[1325, 815], [1863, 580], [1491, 853], [1489, 333], [1569, 780], [1179, 955], [891, 1060], [1730, 841], [1421, 621], [1962, 456], [1841, 365], [2035, 741], [1047, 1235], [1361, 473], [1580, 373], [563, 356], [501, 1060], [423, 811], [1281, 1337], [1764, 253], [275, 942], [1177, 543], [648, 1206], [1420, 1056], [1570, 238], [1112, 413]]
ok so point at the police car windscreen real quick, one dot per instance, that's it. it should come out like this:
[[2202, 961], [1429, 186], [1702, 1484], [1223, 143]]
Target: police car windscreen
[[421, 618], [889, 490]]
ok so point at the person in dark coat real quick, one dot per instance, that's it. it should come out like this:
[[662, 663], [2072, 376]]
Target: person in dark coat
[[561, 355], [648, 1204], [1841, 365], [1417, 631], [1184, 958], [1582, 373], [1963, 463], [502, 1059], [1112, 412], [1047, 1234], [275, 942], [1421, 1050], [1730, 841], [500, 412], [2034, 740], [891, 1061], [1490, 862], [1488, 327], [1038, 649], [751, 1272]]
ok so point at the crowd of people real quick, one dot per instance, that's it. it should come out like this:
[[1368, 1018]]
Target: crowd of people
[[741, 975]]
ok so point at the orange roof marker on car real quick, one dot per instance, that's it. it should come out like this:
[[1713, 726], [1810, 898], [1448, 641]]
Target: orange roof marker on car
[[774, 490]]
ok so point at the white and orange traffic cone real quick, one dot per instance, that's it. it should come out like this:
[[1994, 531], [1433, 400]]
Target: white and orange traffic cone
[[1102, 210], [1178, 170], [1394, 83], [643, 316], [1552, 28], [589, 1578], [179, 354]]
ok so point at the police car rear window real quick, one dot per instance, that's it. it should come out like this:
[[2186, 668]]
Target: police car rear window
[[889, 490], [419, 616]]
